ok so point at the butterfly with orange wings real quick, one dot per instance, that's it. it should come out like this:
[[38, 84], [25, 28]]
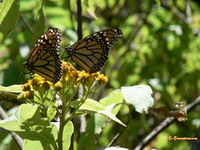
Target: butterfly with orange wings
[[44, 58], [91, 52]]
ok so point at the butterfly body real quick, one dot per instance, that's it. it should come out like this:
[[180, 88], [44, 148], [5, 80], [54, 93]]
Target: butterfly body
[[91, 52], [44, 58]]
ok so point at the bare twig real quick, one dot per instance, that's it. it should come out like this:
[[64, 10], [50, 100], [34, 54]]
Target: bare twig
[[79, 19], [17, 139], [163, 125], [68, 2], [188, 12]]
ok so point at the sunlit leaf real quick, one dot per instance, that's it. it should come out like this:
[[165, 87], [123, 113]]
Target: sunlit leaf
[[28, 123], [139, 96], [13, 88], [9, 12], [67, 133]]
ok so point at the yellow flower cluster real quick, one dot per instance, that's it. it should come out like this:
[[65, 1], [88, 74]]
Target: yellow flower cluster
[[75, 77], [32, 85], [71, 77]]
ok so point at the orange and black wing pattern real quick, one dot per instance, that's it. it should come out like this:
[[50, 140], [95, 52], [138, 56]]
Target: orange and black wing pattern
[[44, 58], [91, 52]]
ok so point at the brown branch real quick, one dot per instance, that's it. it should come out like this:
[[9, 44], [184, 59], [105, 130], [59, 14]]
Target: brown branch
[[79, 19], [17, 139], [163, 125]]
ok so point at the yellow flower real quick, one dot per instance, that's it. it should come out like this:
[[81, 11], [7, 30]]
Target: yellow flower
[[102, 79], [85, 78], [45, 85], [73, 77], [70, 74], [26, 87], [25, 95]]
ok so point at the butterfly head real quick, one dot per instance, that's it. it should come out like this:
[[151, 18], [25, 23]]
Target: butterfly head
[[27, 65], [69, 50]]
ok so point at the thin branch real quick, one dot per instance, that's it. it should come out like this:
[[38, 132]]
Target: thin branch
[[79, 19], [163, 125], [188, 12], [17, 139], [68, 6]]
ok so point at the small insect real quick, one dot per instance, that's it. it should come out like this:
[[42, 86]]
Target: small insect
[[91, 52], [44, 58]]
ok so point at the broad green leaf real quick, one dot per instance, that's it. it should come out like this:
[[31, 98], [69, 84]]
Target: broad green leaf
[[29, 124], [51, 112], [13, 88], [139, 96], [9, 12], [111, 116], [67, 133], [33, 145], [111, 103], [115, 98], [92, 105], [89, 105]]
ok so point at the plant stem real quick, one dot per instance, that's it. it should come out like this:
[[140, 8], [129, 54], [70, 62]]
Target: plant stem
[[86, 92]]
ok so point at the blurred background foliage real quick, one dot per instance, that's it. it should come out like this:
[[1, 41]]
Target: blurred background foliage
[[160, 47]]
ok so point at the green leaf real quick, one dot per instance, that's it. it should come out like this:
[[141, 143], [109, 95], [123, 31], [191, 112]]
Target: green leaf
[[115, 98], [67, 133], [39, 26], [33, 145], [51, 112], [112, 103], [29, 124], [9, 12], [111, 116], [89, 105], [92, 105], [13, 88], [95, 106], [139, 96]]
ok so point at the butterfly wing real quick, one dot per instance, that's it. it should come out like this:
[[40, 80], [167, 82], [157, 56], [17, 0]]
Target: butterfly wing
[[91, 52], [44, 58]]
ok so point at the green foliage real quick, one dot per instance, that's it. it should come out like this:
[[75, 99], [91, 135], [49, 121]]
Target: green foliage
[[29, 124], [159, 48]]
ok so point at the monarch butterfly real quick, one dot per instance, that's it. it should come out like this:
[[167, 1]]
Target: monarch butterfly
[[91, 52], [44, 58]]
